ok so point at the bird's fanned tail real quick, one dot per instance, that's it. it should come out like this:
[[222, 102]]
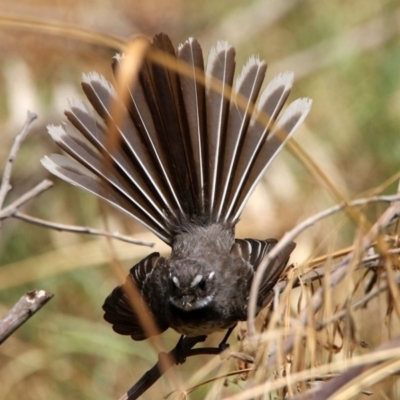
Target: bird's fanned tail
[[186, 151]]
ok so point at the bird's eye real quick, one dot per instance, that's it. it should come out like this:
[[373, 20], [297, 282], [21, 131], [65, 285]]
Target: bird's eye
[[202, 284]]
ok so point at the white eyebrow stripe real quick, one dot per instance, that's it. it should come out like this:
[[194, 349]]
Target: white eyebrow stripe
[[196, 280], [211, 275], [176, 281]]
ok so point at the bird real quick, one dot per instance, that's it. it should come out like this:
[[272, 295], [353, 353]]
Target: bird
[[186, 160]]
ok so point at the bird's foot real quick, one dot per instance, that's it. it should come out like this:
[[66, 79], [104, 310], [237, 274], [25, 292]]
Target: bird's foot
[[184, 345]]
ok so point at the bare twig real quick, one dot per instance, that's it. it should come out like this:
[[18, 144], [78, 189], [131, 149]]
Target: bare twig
[[26, 306], [29, 195], [5, 181], [77, 229]]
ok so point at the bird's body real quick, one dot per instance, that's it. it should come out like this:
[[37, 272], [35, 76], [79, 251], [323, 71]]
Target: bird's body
[[195, 303], [187, 161]]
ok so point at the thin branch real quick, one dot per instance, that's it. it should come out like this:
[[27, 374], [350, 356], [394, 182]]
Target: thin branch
[[5, 181], [77, 229], [11, 211], [27, 305], [29, 195]]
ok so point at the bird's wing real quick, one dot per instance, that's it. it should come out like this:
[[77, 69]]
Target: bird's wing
[[125, 308], [254, 251]]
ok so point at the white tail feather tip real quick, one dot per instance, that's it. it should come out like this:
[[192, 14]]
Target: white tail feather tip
[[93, 76], [57, 132]]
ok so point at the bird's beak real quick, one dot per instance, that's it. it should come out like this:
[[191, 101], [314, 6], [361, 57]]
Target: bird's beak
[[187, 302]]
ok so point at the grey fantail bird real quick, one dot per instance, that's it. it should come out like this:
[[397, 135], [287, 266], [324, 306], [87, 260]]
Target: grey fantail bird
[[187, 160]]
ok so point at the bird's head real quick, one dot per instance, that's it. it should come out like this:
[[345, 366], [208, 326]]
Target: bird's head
[[192, 284]]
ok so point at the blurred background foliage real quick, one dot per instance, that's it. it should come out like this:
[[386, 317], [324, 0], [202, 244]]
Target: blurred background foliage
[[345, 56]]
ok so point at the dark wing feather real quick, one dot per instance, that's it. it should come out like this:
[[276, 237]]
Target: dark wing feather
[[118, 309], [254, 252]]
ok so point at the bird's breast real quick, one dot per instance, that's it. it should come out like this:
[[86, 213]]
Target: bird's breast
[[204, 321]]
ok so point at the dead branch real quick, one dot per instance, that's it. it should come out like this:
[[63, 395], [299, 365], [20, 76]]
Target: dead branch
[[5, 186], [77, 229], [27, 305]]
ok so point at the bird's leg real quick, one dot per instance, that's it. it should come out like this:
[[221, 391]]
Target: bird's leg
[[223, 345], [184, 345]]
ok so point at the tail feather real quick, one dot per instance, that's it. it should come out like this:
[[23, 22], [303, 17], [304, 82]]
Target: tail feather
[[75, 174], [119, 178], [271, 102], [193, 92], [285, 127], [143, 110], [220, 68], [101, 95], [247, 87], [111, 166], [185, 152], [173, 126]]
